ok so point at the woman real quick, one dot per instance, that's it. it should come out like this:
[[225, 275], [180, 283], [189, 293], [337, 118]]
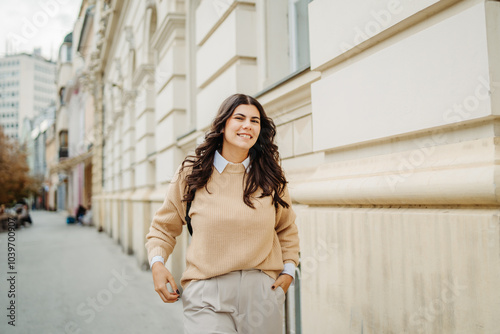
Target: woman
[[244, 247]]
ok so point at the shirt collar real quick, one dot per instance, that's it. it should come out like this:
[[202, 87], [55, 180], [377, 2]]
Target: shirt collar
[[220, 163]]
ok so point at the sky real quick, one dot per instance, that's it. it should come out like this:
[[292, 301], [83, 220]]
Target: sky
[[28, 24]]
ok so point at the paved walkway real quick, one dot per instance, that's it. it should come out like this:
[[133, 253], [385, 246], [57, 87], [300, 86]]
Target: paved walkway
[[72, 279]]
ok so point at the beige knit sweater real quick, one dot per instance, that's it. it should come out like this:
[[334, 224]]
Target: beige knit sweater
[[227, 234]]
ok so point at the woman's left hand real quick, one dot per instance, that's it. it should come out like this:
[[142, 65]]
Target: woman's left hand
[[284, 281]]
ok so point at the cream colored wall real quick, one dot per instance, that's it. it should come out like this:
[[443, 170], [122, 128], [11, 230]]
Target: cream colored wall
[[390, 103], [139, 227], [382, 270], [114, 215], [226, 54], [399, 223], [409, 139], [145, 113]]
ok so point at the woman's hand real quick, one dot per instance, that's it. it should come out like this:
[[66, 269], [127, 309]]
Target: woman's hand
[[162, 276], [284, 281]]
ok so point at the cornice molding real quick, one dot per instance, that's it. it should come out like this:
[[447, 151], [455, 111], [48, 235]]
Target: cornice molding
[[171, 22], [143, 71], [115, 16], [464, 173]]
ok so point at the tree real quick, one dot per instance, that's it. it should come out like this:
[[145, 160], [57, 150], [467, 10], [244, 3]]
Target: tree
[[15, 180]]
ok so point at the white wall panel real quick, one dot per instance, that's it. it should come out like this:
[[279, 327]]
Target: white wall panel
[[173, 96], [140, 228], [168, 160], [115, 220], [117, 135], [144, 100], [145, 125], [173, 63], [143, 147], [217, 51], [435, 77], [234, 37], [169, 129], [399, 270], [117, 184], [284, 140], [116, 165], [127, 159], [302, 135], [209, 13], [128, 139], [239, 78], [351, 23], [127, 120], [127, 179], [126, 209], [143, 174]]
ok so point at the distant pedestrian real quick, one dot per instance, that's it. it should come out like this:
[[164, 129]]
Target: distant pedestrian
[[80, 212], [4, 217], [244, 246], [87, 217], [23, 216]]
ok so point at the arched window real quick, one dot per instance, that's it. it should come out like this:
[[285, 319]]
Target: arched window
[[65, 53], [63, 144], [61, 95]]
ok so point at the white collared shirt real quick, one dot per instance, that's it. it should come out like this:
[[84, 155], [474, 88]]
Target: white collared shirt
[[220, 162]]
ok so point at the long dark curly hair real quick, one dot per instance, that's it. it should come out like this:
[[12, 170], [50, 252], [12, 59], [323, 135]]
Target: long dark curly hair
[[265, 171]]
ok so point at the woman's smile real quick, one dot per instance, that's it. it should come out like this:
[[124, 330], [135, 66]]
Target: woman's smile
[[241, 132]]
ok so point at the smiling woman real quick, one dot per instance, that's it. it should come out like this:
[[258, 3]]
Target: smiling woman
[[245, 242]]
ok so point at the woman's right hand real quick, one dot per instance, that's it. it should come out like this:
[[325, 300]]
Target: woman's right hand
[[162, 276]]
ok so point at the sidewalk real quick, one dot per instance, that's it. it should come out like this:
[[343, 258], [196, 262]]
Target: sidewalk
[[72, 279]]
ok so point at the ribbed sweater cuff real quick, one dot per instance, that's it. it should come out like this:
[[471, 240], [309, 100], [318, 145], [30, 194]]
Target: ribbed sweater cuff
[[291, 261], [157, 251]]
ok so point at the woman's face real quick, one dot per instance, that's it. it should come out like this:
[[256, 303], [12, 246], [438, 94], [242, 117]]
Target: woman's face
[[241, 130]]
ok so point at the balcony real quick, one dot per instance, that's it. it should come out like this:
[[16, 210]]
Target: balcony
[[63, 152]]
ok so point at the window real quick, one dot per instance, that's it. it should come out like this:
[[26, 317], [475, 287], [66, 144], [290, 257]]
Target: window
[[287, 38], [63, 139]]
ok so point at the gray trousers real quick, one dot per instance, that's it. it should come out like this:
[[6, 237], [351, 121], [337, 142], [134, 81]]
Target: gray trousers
[[238, 302]]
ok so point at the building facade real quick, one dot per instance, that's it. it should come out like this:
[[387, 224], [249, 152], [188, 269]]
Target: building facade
[[51, 158], [387, 127], [27, 87], [71, 172], [36, 135]]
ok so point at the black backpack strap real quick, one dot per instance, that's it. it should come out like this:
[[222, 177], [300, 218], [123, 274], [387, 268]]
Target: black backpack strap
[[188, 219]]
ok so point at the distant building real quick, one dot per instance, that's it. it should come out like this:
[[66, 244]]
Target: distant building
[[70, 168], [27, 87], [36, 133], [36, 140]]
